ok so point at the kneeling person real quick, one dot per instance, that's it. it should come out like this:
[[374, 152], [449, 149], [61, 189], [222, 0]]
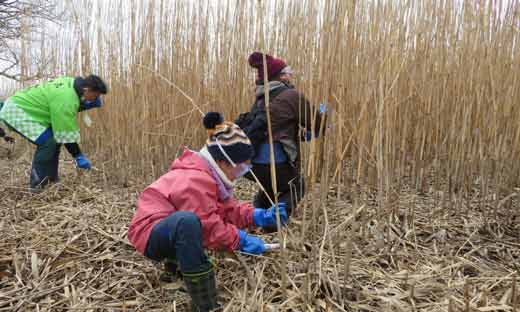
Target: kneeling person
[[192, 207]]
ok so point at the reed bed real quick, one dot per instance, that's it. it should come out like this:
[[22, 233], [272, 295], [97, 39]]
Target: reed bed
[[66, 249], [412, 194], [415, 86]]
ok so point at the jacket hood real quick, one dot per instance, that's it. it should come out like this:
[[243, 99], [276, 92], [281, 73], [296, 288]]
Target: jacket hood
[[203, 162], [191, 160]]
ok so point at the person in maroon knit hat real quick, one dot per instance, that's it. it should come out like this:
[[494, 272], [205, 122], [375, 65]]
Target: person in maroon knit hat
[[290, 112], [274, 67]]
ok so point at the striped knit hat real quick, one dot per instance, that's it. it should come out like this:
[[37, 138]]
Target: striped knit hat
[[231, 138]]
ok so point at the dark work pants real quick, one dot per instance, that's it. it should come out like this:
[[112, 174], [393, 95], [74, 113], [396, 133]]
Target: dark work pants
[[45, 161], [45, 164], [179, 236], [289, 183]]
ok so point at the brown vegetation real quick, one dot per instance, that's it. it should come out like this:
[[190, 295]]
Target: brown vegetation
[[412, 202]]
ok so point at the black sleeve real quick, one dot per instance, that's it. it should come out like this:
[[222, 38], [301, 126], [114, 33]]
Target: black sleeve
[[73, 149], [2, 133], [257, 130]]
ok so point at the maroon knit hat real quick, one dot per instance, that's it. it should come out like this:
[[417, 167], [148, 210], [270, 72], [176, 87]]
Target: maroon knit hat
[[274, 65]]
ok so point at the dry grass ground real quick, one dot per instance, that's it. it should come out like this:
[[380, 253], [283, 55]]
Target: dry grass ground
[[66, 249]]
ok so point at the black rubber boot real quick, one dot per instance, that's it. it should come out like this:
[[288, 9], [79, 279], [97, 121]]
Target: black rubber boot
[[203, 291]]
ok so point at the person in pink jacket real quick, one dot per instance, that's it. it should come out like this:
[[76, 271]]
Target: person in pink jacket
[[192, 207]]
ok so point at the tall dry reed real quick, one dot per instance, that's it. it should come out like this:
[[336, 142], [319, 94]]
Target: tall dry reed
[[416, 88], [420, 93]]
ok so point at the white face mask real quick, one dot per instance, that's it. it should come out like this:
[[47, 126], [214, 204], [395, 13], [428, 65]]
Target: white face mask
[[238, 170]]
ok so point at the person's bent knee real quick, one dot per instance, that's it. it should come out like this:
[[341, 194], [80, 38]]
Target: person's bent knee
[[188, 220]]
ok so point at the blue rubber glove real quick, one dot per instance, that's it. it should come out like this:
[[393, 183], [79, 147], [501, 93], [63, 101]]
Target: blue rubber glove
[[82, 162], [323, 108], [308, 134], [267, 217], [250, 244]]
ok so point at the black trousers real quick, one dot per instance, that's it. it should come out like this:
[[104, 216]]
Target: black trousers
[[45, 164], [45, 161], [289, 183]]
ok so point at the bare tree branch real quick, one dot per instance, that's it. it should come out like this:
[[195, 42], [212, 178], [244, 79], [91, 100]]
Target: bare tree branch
[[19, 19]]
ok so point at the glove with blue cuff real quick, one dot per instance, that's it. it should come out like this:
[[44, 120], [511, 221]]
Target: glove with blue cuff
[[323, 108], [250, 244], [326, 110], [82, 162], [267, 217], [309, 134]]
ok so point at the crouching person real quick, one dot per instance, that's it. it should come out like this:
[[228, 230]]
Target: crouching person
[[46, 115], [192, 208]]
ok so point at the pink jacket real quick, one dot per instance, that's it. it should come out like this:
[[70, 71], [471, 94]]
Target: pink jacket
[[190, 186]]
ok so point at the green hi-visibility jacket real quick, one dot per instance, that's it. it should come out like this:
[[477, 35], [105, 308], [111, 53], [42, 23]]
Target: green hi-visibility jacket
[[51, 104]]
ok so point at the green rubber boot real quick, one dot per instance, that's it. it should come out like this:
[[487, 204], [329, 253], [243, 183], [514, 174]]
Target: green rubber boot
[[203, 291]]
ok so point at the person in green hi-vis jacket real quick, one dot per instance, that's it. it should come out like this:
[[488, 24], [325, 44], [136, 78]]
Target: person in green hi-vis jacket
[[46, 115]]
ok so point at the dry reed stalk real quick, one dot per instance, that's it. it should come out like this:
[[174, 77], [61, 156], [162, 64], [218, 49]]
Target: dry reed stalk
[[514, 295], [273, 176]]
